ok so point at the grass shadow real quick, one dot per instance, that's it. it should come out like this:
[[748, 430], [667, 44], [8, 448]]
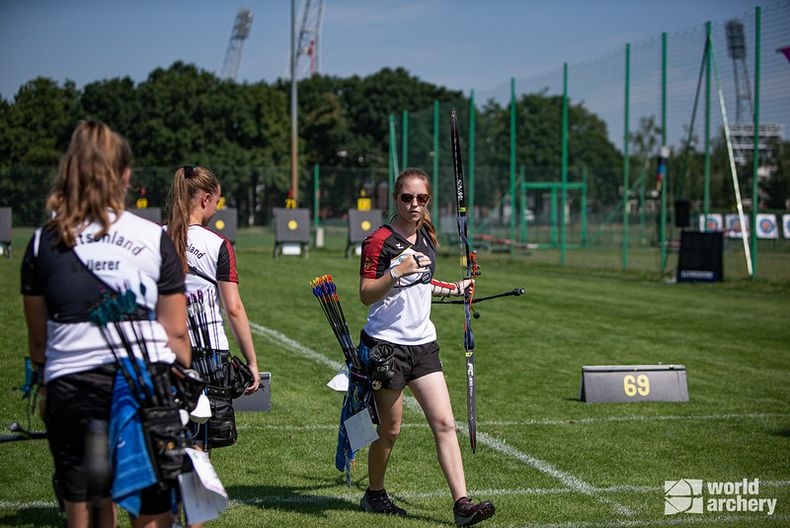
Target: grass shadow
[[33, 516], [310, 501]]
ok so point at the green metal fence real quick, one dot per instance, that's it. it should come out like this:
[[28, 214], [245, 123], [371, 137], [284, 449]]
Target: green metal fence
[[561, 167], [671, 90]]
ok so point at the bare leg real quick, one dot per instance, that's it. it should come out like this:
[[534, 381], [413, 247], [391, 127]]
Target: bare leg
[[162, 520], [390, 407], [78, 514], [431, 393]]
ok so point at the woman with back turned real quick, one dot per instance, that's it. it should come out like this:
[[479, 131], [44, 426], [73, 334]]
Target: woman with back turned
[[210, 265], [92, 248], [396, 281]]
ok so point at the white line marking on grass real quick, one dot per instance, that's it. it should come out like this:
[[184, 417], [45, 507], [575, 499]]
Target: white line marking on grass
[[666, 521], [295, 346], [437, 494], [569, 480], [547, 421], [13, 505], [634, 418]]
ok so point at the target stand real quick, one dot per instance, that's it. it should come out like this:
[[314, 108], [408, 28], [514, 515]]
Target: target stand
[[360, 225], [291, 232], [154, 214], [225, 222], [5, 232]]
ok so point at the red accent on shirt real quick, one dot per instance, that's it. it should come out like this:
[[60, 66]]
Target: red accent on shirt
[[371, 252], [234, 276]]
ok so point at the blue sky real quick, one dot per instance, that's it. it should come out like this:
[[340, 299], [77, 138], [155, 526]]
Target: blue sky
[[460, 44]]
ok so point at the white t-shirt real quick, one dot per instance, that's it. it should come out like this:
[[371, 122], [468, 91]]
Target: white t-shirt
[[403, 316], [135, 256], [211, 259]]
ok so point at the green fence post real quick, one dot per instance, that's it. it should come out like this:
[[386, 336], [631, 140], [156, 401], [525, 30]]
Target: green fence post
[[662, 228], [756, 151], [642, 207], [625, 156], [512, 163], [554, 217], [564, 163], [523, 203], [405, 140], [316, 194], [584, 206], [706, 191], [392, 165], [471, 192], [435, 205]]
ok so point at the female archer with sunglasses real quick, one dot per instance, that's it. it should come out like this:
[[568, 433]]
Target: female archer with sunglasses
[[396, 282]]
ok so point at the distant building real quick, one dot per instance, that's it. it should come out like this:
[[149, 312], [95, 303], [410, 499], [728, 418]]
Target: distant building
[[743, 145]]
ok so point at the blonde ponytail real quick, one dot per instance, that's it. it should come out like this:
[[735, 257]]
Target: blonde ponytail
[[187, 182]]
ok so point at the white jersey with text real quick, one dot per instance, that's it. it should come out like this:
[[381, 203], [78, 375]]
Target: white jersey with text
[[134, 255], [403, 316], [211, 259]]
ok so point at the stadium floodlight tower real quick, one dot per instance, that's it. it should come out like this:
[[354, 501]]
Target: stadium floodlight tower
[[241, 29], [310, 33], [742, 129], [736, 48]]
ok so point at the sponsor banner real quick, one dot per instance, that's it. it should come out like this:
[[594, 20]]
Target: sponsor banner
[[714, 223], [786, 225], [766, 226]]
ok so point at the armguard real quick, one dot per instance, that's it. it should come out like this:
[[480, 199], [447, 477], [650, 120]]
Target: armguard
[[444, 289]]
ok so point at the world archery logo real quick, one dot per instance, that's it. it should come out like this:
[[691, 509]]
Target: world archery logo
[[682, 496], [686, 496]]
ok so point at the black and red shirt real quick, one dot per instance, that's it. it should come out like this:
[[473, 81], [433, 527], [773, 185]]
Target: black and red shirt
[[403, 316]]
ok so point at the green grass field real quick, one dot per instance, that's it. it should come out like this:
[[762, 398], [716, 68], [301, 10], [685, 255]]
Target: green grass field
[[545, 458]]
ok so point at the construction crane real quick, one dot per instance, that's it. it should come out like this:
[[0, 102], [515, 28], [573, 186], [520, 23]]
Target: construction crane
[[241, 29], [308, 41]]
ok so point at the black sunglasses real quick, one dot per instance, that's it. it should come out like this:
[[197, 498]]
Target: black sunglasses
[[422, 199]]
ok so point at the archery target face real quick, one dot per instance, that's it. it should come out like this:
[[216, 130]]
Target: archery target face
[[766, 226]]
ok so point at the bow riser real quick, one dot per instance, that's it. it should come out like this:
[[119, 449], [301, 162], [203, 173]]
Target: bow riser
[[470, 271]]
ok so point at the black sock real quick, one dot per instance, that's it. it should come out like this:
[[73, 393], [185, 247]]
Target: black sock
[[460, 502], [375, 493]]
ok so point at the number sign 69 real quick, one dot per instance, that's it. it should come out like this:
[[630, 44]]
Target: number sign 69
[[636, 385]]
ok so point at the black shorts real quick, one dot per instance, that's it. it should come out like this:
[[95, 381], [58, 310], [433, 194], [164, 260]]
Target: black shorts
[[411, 361], [72, 401]]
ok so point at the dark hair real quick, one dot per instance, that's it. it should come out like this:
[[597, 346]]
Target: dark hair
[[187, 182], [89, 180], [425, 221]]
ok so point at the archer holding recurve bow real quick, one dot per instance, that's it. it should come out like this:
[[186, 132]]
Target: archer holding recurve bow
[[396, 282]]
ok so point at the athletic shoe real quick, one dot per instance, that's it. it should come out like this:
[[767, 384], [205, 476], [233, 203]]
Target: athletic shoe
[[467, 513], [379, 502]]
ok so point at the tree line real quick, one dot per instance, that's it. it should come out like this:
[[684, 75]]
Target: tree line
[[185, 115]]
